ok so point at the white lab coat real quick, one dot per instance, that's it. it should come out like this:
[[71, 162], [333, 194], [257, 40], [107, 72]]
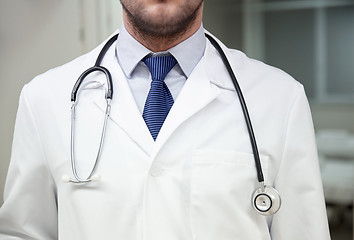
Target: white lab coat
[[195, 182]]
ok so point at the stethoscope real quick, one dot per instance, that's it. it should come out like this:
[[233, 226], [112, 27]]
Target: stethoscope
[[265, 199]]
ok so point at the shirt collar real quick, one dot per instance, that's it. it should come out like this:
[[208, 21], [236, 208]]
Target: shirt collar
[[187, 53]]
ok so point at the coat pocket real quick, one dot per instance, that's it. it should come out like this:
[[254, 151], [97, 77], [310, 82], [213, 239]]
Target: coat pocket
[[222, 184]]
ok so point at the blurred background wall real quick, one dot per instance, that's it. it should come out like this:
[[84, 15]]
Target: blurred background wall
[[313, 40]]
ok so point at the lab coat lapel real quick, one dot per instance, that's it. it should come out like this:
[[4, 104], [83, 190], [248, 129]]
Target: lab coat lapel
[[196, 94], [125, 113]]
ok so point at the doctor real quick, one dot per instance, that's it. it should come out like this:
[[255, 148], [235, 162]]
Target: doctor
[[194, 177]]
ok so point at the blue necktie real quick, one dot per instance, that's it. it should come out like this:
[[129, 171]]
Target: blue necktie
[[159, 100]]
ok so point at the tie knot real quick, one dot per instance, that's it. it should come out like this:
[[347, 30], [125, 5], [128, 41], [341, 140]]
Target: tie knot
[[159, 66]]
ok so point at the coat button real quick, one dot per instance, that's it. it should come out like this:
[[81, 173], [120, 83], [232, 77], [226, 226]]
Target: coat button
[[157, 171]]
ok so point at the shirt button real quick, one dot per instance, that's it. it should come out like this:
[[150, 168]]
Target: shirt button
[[157, 171]]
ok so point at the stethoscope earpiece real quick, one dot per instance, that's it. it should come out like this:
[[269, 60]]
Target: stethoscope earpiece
[[266, 200]]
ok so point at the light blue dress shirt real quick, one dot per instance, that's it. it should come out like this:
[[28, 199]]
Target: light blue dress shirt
[[130, 53]]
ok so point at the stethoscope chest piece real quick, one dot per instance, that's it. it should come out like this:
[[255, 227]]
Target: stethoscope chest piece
[[266, 200]]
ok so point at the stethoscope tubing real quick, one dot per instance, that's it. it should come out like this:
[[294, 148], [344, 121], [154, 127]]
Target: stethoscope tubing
[[243, 106], [109, 93], [97, 67], [266, 200]]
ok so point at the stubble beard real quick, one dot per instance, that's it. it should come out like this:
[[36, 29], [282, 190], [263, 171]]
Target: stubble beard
[[168, 27]]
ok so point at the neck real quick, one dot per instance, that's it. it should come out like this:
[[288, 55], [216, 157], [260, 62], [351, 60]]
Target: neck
[[161, 43]]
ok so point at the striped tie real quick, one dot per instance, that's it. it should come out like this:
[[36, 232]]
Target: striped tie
[[159, 100]]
